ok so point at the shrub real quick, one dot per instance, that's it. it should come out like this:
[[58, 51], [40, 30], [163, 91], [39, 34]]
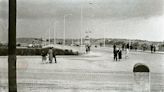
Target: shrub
[[36, 51]]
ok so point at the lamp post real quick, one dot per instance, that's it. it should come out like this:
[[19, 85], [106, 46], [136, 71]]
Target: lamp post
[[54, 29], [46, 37], [81, 25], [104, 38], [64, 28], [49, 37]]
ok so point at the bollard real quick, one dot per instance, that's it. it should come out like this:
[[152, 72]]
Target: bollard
[[141, 76]]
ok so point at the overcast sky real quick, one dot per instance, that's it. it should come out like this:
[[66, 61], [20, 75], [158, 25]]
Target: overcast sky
[[133, 19]]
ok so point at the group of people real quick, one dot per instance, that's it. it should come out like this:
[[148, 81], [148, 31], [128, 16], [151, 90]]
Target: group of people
[[117, 52], [48, 57]]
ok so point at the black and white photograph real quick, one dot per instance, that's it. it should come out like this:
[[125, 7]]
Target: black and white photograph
[[81, 45]]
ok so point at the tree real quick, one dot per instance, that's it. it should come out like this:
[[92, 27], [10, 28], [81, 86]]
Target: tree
[[144, 46], [1, 44], [135, 45]]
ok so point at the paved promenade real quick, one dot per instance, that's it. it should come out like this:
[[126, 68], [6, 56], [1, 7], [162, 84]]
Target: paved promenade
[[92, 72]]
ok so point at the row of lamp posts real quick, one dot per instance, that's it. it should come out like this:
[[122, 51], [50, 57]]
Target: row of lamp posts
[[64, 33]]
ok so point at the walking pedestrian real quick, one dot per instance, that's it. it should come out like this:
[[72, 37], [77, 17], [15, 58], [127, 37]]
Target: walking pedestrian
[[154, 48], [131, 47], [120, 54], [127, 46], [54, 56], [86, 48], [115, 54], [50, 52], [151, 47], [114, 49]]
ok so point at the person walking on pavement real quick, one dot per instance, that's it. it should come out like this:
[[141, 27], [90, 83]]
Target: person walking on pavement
[[87, 48], [154, 48], [115, 54], [151, 47], [127, 46], [114, 49], [50, 52], [119, 54], [54, 56]]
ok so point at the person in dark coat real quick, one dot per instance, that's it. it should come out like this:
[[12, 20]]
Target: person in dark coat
[[54, 56], [154, 48], [86, 48], [127, 46], [151, 47], [119, 54], [114, 49], [131, 47], [115, 54]]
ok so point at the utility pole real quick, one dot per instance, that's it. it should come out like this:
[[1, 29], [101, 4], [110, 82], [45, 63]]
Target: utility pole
[[12, 75]]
